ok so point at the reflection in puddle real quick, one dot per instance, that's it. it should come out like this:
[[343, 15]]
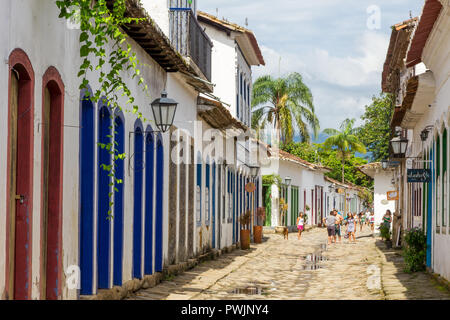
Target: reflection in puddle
[[253, 290], [311, 266], [313, 260]]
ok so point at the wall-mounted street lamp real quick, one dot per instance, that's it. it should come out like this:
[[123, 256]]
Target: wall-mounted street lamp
[[288, 180], [331, 188], [384, 164], [424, 133], [164, 112], [399, 145], [254, 171]]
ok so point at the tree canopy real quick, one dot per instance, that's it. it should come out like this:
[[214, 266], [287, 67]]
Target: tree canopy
[[375, 132], [316, 153], [286, 104]]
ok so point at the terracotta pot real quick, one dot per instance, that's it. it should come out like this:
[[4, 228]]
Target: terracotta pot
[[245, 239], [257, 234]]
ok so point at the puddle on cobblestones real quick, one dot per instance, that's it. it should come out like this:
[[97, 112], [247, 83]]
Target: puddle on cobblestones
[[252, 290], [313, 260]]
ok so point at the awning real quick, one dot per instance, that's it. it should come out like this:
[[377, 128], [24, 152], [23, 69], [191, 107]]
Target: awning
[[430, 13]]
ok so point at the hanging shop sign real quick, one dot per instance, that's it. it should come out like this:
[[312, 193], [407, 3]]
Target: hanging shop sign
[[419, 175], [392, 195], [250, 187]]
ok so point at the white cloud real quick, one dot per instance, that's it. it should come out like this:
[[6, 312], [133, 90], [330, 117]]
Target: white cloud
[[326, 41]]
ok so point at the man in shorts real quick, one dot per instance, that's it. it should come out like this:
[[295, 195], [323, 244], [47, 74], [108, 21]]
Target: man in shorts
[[330, 222]]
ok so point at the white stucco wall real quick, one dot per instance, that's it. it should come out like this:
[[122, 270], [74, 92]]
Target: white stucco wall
[[382, 184], [48, 42]]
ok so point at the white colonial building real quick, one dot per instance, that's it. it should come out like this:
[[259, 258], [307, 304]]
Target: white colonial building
[[422, 114], [55, 194]]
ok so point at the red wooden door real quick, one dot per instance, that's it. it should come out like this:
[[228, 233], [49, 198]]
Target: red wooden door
[[52, 159], [20, 182]]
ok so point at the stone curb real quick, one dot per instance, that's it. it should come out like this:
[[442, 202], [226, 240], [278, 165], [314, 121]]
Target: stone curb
[[150, 281], [441, 280], [383, 261]]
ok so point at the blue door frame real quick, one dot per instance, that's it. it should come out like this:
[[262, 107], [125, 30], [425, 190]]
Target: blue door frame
[[159, 204], [214, 205], [119, 138], [103, 222], [87, 169], [137, 212], [430, 210], [149, 175]]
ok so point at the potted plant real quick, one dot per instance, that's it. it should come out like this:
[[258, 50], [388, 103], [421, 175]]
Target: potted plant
[[245, 231], [257, 229], [307, 208], [283, 207], [385, 233]]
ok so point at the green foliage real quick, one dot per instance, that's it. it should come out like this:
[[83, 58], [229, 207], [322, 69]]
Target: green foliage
[[286, 104], [246, 218], [344, 142], [271, 179], [316, 153], [106, 53], [414, 250], [375, 132], [367, 197]]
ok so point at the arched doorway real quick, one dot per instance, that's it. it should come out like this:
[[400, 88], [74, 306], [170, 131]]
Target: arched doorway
[[52, 184], [149, 192], [20, 175], [119, 138], [104, 180], [87, 171], [159, 186], [138, 168]]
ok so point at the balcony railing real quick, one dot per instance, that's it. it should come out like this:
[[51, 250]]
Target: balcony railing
[[188, 37]]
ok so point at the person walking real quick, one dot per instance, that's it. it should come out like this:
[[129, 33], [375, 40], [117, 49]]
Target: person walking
[[351, 227], [339, 219], [368, 217], [362, 219], [300, 224], [372, 221], [387, 219], [330, 222]]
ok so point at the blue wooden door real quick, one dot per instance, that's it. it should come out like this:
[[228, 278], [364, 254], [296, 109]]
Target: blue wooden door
[[137, 213], [87, 170], [214, 205], [159, 204], [103, 221], [430, 211], [149, 175], [119, 138]]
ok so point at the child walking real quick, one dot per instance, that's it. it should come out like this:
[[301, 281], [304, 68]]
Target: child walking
[[300, 224]]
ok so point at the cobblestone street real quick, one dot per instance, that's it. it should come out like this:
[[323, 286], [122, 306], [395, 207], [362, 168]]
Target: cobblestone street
[[305, 269]]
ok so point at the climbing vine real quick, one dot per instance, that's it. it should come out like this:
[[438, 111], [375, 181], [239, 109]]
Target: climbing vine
[[108, 56]]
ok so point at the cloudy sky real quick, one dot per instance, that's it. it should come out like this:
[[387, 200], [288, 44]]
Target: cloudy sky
[[339, 46]]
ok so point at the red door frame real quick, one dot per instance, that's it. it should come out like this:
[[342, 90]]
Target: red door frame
[[51, 235], [18, 283]]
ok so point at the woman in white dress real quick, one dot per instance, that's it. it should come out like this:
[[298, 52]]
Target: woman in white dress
[[351, 226]]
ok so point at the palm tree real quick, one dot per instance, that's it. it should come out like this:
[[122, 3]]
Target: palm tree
[[344, 141], [289, 102]]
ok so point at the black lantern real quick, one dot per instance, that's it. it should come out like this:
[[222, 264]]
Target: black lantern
[[164, 112], [254, 171], [399, 146], [384, 164], [331, 188], [288, 181]]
